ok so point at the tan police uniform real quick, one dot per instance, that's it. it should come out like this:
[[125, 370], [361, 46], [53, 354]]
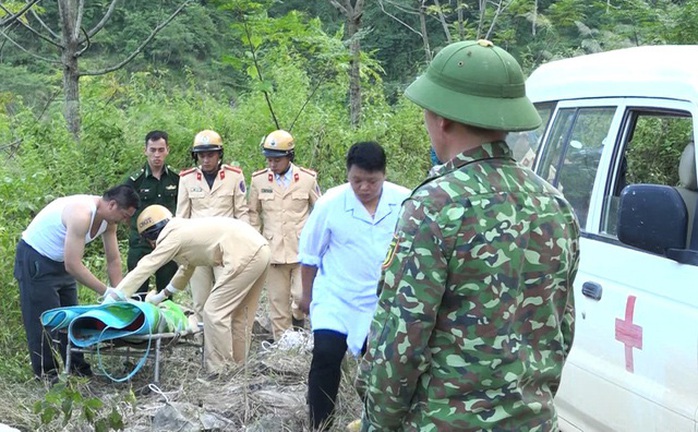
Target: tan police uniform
[[240, 257], [280, 213], [196, 199]]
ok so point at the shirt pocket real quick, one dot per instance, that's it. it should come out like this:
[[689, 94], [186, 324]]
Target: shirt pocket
[[267, 200], [299, 201], [225, 197], [170, 193], [147, 194]]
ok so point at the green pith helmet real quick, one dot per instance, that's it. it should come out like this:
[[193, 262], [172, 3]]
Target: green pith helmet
[[478, 84]]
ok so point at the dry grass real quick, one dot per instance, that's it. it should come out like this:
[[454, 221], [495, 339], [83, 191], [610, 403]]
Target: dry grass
[[265, 394]]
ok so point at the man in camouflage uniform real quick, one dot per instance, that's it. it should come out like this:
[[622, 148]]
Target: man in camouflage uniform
[[475, 315], [156, 183], [281, 198]]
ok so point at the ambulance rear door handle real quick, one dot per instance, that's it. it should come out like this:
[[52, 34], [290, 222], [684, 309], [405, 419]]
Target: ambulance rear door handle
[[592, 290]]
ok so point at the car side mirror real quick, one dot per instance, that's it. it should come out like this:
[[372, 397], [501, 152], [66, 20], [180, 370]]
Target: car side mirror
[[652, 218]]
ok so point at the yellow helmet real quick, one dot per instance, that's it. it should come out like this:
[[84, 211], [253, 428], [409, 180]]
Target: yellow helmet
[[205, 141], [152, 220], [278, 144]]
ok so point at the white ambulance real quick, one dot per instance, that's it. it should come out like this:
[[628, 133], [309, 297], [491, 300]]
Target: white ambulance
[[617, 139]]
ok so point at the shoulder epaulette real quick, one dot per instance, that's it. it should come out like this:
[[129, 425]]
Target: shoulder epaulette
[[260, 172], [187, 171], [137, 174], [308, 171], [172, 170], [232, 168]]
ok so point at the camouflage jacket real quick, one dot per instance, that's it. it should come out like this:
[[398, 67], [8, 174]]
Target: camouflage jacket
[[475, 316]]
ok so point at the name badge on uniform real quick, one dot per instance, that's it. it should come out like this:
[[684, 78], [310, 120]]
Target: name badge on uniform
[[196, 192], [267, 190]]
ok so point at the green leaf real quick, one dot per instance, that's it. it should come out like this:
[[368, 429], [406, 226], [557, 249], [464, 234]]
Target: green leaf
[[67, 408], [116, 421], [48, 415], [89, 414], [101, 425], [94, 403]]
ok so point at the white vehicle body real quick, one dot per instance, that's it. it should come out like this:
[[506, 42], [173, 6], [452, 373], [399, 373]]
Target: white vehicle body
[[611, 120]]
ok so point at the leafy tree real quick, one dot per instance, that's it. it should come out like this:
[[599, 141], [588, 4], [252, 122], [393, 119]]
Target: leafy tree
[[72, 40]]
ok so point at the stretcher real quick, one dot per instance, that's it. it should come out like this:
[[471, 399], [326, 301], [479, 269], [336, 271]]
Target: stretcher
[[124, 329], [146, 347]]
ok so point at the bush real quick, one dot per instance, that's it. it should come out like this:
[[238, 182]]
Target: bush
[[47, 163]]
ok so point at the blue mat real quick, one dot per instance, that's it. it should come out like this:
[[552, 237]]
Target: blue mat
[[91, 325]]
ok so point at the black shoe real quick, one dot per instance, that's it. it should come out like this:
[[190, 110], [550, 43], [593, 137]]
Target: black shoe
[[298, 324]]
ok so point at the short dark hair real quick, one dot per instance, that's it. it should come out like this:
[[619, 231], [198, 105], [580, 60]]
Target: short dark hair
[[367, 155], [125, 196], [156, 135]]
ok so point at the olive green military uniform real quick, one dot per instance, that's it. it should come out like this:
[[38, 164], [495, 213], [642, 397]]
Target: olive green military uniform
[[151, 191]]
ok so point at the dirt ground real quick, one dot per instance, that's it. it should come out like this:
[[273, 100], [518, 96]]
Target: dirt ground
[[267, 394]]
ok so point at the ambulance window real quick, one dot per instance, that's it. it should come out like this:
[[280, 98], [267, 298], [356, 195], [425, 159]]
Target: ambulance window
[[652, 146], [524, 145], [571, 158]]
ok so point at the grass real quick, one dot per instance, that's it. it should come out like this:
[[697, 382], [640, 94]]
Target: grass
[[267, 393]]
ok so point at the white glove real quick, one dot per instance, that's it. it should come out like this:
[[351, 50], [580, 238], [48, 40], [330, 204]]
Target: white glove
[[157, 298], [112, 295]]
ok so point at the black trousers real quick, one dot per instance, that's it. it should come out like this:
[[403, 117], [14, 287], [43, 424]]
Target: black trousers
[[44, 284], [329, 348], [163, 275]]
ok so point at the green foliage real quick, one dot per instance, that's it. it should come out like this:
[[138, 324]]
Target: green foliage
[[211, 67], [67, 396], [655, 148]]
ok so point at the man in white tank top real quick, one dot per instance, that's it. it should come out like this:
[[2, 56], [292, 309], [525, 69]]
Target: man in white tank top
[[49, 262]]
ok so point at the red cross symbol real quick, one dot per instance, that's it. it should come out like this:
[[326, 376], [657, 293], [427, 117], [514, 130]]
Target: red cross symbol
[[628, 333]]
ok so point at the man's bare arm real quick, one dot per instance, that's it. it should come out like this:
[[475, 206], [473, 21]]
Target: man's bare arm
[[111, 250], [77, 219]]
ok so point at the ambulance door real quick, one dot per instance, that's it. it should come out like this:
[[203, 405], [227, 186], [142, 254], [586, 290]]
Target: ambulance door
[[634, 360]]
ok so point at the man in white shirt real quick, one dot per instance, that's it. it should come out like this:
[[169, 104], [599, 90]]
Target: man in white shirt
[[49, 262], [342, 246]]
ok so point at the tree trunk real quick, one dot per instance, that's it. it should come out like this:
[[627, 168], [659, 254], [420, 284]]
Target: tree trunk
[[68, 10], [461, 27], [423, 29], [442, 20], [535, 18], [353, 10], [353, 26]]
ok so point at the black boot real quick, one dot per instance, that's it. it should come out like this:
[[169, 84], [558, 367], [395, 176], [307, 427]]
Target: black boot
[[298, 324]]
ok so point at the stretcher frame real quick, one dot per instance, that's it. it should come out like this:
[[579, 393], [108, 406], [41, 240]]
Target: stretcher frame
[[154, 344]]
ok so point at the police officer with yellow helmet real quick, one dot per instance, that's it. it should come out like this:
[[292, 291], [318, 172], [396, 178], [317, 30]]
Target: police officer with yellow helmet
[[281, 198], [211, 188], [237, 252]]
